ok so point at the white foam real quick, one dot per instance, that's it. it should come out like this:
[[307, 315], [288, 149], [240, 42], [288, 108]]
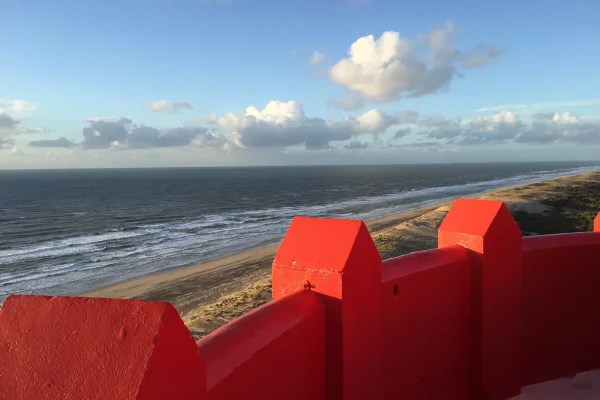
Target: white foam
[[161, 246]]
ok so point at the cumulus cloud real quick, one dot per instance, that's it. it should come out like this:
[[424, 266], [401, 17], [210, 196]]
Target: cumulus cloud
[[400, 133], [123, 133], [541, 105], [96, 119], [102, 134], [350, 102], [6, 142], [506, 126], [7, 123], [418, 145], [210, 120], [148, 137], [441, 128], [407, 116], [565, 128], [18, 106], [284, 124], [8, 126], [479, 57], [317, 57], [393, 67], [499, 127], [356, 145], [37, 129], [15, 151], [161, 106], [61, 142]]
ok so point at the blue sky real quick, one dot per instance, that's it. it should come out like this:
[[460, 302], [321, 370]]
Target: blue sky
[[529, 68]]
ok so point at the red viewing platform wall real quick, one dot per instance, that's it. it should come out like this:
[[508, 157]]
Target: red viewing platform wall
[[485, 314]]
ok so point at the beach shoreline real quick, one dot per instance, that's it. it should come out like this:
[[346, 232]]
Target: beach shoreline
[[198, 216], [149, 287], [213, 292]]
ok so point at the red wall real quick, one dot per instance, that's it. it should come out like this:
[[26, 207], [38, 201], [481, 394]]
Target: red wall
[[276, 351], [478, 318], [79, 348], [561, 306], [426, 320]]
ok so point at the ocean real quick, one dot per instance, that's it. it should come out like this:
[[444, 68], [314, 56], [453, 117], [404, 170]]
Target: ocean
[[65, 232]]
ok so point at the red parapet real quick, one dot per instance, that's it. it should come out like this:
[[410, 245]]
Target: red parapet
[[276, 351], [82, 348], [493, 239], [426, 324], [561, 306], [338, 260], [478, 318]]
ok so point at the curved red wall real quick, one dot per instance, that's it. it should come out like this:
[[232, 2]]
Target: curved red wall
[[478, 318], [561, 313]]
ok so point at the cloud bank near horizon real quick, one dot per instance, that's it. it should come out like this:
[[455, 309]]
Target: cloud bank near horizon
[[283, 125]]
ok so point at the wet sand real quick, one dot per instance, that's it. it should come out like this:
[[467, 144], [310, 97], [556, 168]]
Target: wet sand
[[212, 293]]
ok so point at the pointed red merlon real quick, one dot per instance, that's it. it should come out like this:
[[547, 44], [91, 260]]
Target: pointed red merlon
[[338, 260], [493, 238], [76, 348]]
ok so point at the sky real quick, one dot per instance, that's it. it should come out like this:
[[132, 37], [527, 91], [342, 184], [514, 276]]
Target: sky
[[182, 83]]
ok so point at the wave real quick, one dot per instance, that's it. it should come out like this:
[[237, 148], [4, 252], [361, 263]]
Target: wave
[[88, 261]]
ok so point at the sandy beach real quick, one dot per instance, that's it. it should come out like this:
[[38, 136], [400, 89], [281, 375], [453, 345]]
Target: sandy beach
[[212, 293]]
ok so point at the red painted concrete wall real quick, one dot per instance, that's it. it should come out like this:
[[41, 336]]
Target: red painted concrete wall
[[276, 351], [479, 317], [338, 260], [426, 319], [561, 306], [78, 348]]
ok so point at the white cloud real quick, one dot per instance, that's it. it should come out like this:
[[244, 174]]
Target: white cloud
[[37, 129], [18, 106], [316, 58], [497, 128], [391, 67], [210, 120], [561, 128], [441, 128], [541, 105], [124, 134], [102, 134], [284, 124], [96, 119], [356, 145], [6, 121], [374, 121], [479, 57], [61, 142], [402, 132], [506, 126], [15, 151], [350, 102], [161, 106], [8, 127]]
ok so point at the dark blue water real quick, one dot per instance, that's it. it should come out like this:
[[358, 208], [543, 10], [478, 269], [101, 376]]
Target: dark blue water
[[67, 232]]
